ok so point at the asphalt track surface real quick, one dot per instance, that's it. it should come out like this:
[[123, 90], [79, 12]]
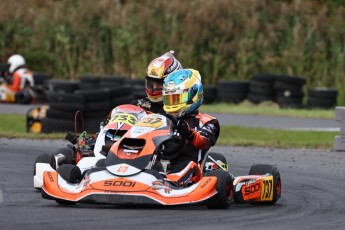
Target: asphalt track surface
[[313, 195]]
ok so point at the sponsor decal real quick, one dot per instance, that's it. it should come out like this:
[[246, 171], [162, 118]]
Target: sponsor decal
[[205, 183], [251, 188], [267, 189], [119, 183], [153, 72], [50, 177], [151, 121], [122, 169], [128, 119]]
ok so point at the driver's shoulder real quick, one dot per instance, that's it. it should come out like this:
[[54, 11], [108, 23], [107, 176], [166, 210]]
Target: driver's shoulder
[[205, 118]]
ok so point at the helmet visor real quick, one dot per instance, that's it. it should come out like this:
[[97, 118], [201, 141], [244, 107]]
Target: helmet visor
[[154, 86], [175, 99]]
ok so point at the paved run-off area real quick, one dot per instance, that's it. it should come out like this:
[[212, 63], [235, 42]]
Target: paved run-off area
[[313, 195]]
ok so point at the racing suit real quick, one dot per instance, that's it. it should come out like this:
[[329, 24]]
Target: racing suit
[[185, 168], [149, 106], [21, 79]]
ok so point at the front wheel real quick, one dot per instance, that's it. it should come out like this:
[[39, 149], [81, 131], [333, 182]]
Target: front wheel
[[262, 169], [70, 173], [223, 198]]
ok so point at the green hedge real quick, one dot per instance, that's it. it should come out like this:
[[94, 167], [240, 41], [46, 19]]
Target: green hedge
[[228, 39]]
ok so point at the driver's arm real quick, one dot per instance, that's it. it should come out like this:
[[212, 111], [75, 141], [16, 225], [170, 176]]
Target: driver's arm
[[206, 137]]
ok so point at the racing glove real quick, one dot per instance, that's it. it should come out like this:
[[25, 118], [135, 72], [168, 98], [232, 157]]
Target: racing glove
[[185, 131]]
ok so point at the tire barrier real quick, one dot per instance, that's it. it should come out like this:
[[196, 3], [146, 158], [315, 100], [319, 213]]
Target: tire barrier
[[210, 94], [322, 98], [95, 96], [261, 88], [232, 91], [289, 91]]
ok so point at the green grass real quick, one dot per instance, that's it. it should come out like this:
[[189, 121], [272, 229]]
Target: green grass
[[243, 136], [14, 126], [267, 109]]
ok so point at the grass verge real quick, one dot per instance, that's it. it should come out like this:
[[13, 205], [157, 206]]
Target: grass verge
[[244, 136], [267, 108]]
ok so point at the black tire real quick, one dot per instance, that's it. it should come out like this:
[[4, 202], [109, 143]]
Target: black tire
[[290, 94], [92, 125], [23, 97], [96, 115], [50, 125], [137, 82], [233, 86], [258, 98], [70, 107], [262, 169], [94, 94], [119, 91], [65, 98], [223, 198], [70, 173], [41, 78], [290, 80], [232, 91], [97, 106], [63, 86], [279, 85], [58, 114], [210, 94], [321, 103], [139, 91], [107, 81], [230, 97], [264, 77], [121, 100], [262, 88], [330, 93], [90, 79], [87, 86], [45, 158], [69, 155]]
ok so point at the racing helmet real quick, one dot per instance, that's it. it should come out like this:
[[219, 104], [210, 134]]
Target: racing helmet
[[156, 71], [182, 92], [15, 61]]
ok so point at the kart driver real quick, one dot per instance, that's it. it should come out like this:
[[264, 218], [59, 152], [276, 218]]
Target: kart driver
[[156, 71], [19, 78], [182, 97]]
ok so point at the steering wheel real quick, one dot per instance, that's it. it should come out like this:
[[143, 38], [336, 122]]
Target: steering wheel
[[174, 144]]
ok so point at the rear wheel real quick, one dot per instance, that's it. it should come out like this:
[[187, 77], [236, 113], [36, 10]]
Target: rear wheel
[[223, 198], [262, 169], [69, 155]]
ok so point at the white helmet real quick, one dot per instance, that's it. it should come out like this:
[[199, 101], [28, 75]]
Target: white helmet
[[15, 61]]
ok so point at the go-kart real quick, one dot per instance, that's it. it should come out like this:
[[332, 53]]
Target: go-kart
[[133, 173], [85, 150]]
